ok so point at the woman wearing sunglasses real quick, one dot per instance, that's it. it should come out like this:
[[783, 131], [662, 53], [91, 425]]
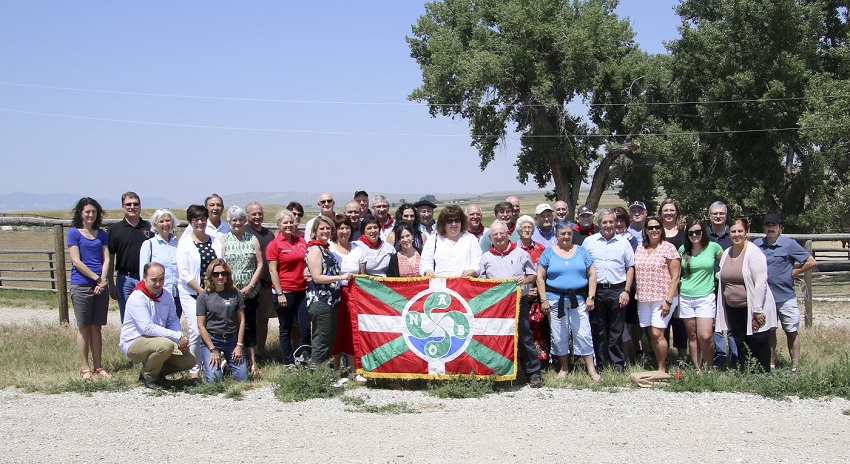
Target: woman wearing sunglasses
[[697, 303], [221, 321], [454, 252], [657, 266]]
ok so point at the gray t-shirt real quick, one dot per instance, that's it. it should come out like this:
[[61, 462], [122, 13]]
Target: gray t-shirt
[[220, 309]]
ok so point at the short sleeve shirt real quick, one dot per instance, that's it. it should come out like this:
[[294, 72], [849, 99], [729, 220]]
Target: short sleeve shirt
[[91, 254], [651, 272], [612, 258], [220, 310], [566, 274], [290, 261], [781, 258], [698, 272]]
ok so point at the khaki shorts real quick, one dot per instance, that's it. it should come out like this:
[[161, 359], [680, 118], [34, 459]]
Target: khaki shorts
[[265, 305]]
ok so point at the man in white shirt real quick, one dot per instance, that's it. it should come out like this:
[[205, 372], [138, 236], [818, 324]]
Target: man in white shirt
[[326, 208], [151, 333], [381, 209], [614, 261]]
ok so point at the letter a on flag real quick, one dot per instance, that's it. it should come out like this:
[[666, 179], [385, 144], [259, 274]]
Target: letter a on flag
[[434, 328]]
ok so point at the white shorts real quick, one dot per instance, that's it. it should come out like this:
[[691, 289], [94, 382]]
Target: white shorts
[[789, 315], [697, 306], [650, 314]]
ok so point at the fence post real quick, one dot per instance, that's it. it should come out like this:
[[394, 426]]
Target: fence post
[[807, 278], [61, 280]]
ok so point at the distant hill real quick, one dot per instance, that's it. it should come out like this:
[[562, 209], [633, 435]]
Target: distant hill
[[21, 201]]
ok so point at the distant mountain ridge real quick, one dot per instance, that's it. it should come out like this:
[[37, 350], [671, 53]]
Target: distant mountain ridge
[[23, 201]]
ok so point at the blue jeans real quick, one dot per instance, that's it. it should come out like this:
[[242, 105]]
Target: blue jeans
[[125, 285], [226, 345], [721, 350]]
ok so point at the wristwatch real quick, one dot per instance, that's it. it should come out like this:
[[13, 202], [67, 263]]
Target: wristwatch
[[669, 302]]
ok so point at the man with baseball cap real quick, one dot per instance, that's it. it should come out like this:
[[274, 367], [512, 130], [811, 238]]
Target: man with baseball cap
[[637, 214], [782, 254], [544, 233], [584, 225]]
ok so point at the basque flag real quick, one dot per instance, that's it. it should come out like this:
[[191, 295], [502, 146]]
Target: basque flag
[[434, 328]]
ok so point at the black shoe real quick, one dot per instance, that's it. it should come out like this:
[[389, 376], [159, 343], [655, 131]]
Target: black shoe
[[149, 384], [536, 381], [618, 368]]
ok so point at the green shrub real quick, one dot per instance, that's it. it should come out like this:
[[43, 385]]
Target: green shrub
[[304, 384]]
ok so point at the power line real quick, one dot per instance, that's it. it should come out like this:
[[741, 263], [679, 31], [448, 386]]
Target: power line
[[411, 104], [394, 134]]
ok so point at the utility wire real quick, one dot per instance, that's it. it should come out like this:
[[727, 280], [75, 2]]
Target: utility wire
[[394, 134], [412, 104]]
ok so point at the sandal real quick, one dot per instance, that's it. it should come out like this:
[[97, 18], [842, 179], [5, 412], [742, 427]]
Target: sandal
[[102, 372], [85, 374]]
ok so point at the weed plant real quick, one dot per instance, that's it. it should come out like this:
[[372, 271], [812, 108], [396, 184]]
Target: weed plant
[[462, 387], [302, 384]]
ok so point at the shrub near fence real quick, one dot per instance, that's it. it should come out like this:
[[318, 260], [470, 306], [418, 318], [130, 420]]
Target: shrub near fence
[[49, 269]]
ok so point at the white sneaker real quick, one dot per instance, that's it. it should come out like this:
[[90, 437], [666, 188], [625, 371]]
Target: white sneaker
[[340, 383]]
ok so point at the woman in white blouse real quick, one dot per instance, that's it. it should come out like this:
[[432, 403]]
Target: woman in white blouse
[[162, 249], [455, 252]]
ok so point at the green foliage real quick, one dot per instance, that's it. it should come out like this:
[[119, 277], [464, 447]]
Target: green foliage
[[749, 71], [28, 299], [462, 387], [429, 197], [519, 64], [305, 384], [358, 404]]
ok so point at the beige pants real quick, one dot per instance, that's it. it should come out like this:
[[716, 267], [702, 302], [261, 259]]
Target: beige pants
[[160, 357]]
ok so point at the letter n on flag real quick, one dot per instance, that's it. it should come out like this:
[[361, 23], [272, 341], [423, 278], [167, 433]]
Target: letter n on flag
[[434, 328]]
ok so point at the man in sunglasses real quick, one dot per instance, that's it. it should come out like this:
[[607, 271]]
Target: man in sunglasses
[[125, 240], [326, 208]]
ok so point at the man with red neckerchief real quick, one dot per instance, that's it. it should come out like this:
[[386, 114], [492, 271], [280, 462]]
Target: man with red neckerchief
[[151, 333], [381, 209], [505, 260], [476, 228], [584, 225]]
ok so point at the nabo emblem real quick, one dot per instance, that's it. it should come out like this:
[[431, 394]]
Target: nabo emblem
[[437, 325]]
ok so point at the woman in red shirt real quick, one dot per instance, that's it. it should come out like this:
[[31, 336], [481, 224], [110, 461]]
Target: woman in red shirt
[[285, 255]]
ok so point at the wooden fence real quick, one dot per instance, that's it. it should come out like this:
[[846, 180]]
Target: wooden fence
[[51, 268]]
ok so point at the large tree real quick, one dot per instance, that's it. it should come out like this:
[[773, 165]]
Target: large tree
[[743, 71], [517, 65]]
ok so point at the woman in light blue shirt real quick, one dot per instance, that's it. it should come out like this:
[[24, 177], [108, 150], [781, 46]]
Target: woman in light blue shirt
[[162, 249]]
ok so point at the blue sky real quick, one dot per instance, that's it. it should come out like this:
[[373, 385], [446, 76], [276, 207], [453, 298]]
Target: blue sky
[[324, 55]]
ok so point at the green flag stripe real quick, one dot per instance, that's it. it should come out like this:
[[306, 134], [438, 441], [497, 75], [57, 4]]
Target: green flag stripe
[[500, 364], [384, 353], [383, 293], [492, 296]]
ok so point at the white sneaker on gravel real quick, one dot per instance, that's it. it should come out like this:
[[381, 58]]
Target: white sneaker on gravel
[[340, 383]]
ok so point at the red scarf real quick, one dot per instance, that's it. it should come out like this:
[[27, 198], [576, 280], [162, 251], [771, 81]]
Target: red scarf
[[141, 286], [511, 228], [477, 234], [533, 244], [511, 247], [326, 246], [369, 243], [389, 223], [590, 231]]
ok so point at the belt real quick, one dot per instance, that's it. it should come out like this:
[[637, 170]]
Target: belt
[[572, 294], [134, 275], [232, 334], [613, 286]]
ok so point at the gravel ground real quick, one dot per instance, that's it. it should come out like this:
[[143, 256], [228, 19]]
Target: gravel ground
[[518, 425]]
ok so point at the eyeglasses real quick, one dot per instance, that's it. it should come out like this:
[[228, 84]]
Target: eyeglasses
[[454, 221], [326, 202], [297, 214], [652, 227], [129, 205], [694, 233], [200, 219], [718, 213], [220, 274]]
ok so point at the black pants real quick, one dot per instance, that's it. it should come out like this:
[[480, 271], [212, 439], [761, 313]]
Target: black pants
[[526, 349], [756, 345], [295, 310], [607, 323]]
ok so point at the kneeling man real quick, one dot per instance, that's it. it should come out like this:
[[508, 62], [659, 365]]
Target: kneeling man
[[151, 333]]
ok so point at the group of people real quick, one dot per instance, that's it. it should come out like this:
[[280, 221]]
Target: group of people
[[586, 286]]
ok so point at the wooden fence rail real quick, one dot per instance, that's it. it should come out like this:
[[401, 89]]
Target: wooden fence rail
[[833, 263]]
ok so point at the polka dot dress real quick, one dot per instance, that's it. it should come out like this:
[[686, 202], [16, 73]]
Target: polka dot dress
[[207, 256]]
